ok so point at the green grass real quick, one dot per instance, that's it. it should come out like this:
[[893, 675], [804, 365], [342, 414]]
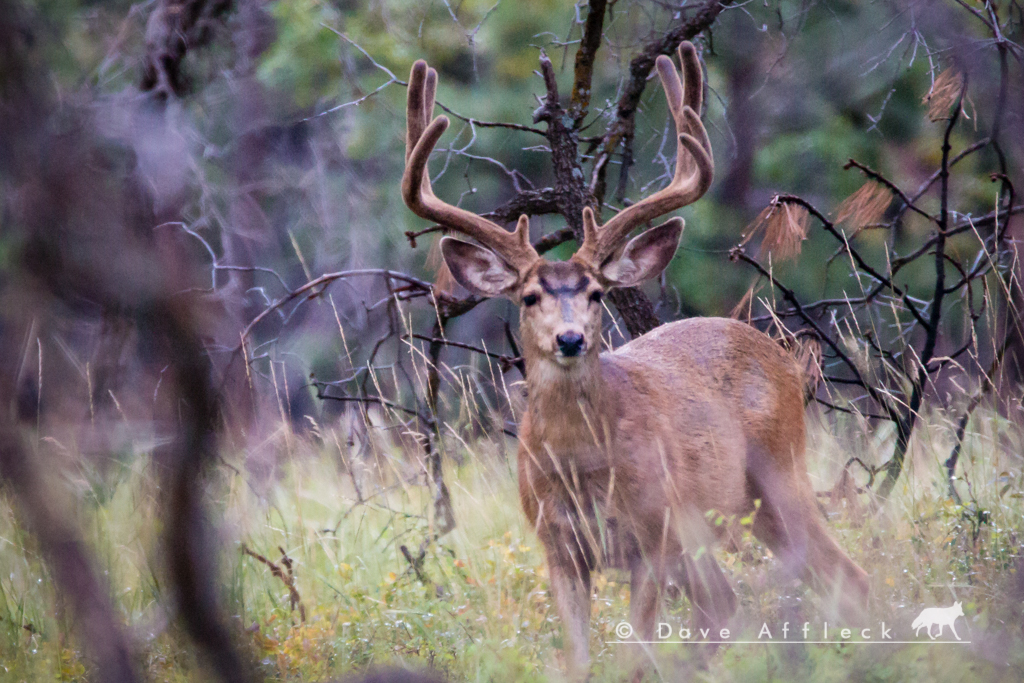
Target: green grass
[[492, 618]]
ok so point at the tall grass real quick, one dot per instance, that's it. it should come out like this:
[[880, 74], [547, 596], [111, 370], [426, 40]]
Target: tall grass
[[479, 609]]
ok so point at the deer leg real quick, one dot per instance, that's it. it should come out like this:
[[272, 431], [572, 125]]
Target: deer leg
[[711, 596], [646, 581], [713, 600], [832, 573], [789, 523], [570, 586]]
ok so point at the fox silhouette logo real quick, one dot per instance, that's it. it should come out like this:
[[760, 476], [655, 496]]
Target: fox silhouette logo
[[943, 616]]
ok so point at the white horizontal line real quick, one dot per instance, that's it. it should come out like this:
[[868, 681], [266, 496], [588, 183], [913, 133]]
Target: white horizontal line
[[787, 642]]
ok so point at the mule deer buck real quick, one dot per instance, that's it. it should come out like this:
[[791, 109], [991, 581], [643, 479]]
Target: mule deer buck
[[624, 456]]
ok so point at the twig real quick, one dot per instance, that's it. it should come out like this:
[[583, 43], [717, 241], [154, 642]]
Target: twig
[[325, 280], [490, 124], [416, 565], [287, 576], [988, 384], [506, 361]]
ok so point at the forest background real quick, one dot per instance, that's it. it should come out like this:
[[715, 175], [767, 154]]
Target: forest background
[[253, 430]]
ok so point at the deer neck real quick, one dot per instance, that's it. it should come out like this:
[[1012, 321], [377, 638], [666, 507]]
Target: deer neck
[[568, 407]]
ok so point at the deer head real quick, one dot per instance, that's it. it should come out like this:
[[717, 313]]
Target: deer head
[[560, 314]]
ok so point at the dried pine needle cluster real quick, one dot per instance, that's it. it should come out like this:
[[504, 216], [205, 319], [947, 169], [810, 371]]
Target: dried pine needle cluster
[[784, 227], [944, 93], [866, 207]]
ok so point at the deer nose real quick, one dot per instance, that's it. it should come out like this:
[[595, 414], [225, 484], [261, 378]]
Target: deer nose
[[570, 343]]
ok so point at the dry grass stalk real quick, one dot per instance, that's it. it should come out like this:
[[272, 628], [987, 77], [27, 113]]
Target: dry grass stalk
[[944, 93], [745, 308], [784, 226], [866, 206]]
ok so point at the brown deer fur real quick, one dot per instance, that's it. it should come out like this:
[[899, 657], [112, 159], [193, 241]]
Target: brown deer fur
[[643, 457]]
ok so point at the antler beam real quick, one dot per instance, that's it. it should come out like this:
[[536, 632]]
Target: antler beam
[[421, 136]]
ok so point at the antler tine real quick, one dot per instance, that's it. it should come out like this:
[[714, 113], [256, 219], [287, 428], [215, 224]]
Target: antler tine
[[421, 80], [692, 74], [694, 164], [421, 136]]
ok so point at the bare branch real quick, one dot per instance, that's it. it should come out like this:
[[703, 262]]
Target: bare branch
[[322, 282], [579, 101]]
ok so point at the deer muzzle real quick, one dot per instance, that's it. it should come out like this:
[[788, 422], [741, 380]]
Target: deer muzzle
[[570, 344]]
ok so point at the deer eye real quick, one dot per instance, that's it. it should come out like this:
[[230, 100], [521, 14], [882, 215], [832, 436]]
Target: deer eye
[[530, 299], [596, 297]]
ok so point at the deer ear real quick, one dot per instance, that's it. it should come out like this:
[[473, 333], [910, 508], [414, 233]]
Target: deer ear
[[479, 270], [645, 255]]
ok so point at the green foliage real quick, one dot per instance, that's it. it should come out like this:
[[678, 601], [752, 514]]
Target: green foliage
[[305, 59]]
